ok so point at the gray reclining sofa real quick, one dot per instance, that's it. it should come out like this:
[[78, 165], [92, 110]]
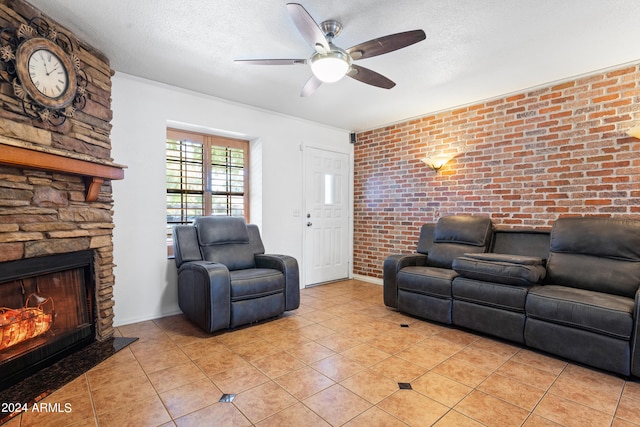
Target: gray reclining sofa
[[572, 292]]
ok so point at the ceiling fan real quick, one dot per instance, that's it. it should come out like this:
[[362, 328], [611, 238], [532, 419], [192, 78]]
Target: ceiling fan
[[330, 63]]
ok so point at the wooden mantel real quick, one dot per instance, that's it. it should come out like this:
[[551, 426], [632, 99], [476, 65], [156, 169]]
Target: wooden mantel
[[94, 173]]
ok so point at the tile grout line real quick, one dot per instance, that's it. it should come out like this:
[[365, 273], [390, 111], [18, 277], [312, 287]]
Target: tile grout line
[[544, 395], [373, 313]]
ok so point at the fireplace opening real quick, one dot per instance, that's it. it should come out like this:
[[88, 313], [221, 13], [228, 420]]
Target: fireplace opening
[[47, 311]]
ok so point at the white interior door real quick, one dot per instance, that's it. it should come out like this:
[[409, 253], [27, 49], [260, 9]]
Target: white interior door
[[326, 255]]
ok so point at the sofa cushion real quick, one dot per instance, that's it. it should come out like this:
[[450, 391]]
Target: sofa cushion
[[507, 269], [505, 297], [457, 234], [597, 312], [426, 280], [255, 282], [597, 254]]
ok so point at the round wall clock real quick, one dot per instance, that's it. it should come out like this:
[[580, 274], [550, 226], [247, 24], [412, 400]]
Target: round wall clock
[[46, 73], [38, 60]]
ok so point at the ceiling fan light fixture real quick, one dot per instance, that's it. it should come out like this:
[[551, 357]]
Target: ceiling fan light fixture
[[330, 63], [330, 67]]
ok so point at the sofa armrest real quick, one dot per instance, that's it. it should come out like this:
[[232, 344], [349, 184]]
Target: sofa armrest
[[635, 338], [392, 265], [288, 265], [204, 294]]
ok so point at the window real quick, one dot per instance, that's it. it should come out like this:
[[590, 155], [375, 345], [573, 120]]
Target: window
[[206, 175], [328, 189]]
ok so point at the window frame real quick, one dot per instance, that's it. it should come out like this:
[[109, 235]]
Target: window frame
[[208, 141]]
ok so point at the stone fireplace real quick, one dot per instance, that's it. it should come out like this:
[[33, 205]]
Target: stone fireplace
[[55, 181]]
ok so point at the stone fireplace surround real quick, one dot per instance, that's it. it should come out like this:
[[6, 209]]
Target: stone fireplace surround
[[45, 212], [46, 209], [56, 197]]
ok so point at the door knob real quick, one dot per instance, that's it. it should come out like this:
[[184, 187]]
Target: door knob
[[309, 224]]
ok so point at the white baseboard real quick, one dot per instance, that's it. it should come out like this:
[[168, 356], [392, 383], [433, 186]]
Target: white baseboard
[[130, 321], [374, 280]]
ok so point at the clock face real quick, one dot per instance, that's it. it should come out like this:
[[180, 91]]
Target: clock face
[[47, 73]]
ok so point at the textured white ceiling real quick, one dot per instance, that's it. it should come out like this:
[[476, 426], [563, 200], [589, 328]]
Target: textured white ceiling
[[475, 49]]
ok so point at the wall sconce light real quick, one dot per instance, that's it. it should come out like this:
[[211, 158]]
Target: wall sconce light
[[437, 161], [634, 132]]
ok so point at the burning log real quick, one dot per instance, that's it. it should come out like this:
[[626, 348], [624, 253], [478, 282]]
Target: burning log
[[20, 324]]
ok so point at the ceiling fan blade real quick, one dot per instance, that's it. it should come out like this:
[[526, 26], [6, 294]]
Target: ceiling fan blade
[[308, 27], [370, 77], [310, 86], [271, 61], [386, 44]]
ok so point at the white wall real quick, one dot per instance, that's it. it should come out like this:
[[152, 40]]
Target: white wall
[[145, 285]]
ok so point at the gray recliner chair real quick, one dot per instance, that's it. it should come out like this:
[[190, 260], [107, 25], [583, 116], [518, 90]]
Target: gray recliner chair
[[225, 279], [589, 308], [420, 283]]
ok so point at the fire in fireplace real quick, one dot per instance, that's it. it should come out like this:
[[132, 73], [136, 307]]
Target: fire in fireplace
[[21, 324], [47, 310]]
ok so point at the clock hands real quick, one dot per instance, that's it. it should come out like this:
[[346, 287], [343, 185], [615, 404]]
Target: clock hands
[[52, 70], [47, 72], [44, 61]]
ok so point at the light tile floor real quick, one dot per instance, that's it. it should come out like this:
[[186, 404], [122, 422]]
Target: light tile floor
[[337, 360]]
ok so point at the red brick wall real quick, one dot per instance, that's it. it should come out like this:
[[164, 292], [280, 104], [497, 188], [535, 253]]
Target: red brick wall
[[527, 159]]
